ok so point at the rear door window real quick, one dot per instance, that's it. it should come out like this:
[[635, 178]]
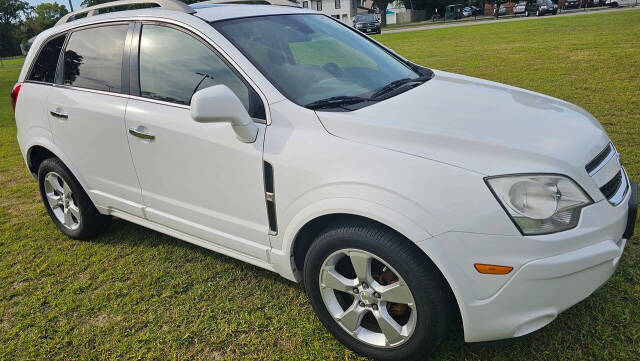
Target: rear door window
[[44, 68], [93, 58]]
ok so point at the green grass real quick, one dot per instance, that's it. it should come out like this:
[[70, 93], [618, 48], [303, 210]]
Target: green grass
[[136, 294]]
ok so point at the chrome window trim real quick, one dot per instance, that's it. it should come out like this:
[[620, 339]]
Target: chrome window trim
[[71, 87], [161, 102]]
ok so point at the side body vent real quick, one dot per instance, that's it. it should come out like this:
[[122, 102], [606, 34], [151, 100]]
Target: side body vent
[[270, 198]]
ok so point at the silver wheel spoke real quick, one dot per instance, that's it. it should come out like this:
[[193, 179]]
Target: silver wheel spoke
[[396, 292], [66, 189], [67, 218], [361, 264], [351, 317], [54, 200], [54, 183], [390, 328], [74, 210], [332, 279]]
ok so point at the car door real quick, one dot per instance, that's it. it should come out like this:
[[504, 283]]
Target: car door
[[86, 114], [196, 178]]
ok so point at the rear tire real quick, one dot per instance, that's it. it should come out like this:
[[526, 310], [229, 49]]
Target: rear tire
[[67, 203], [426, 312]]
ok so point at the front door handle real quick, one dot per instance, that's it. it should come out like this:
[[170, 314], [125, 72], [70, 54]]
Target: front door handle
[[141, 134], [59, 113]]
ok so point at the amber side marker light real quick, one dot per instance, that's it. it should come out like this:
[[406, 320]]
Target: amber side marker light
[[491, 269]]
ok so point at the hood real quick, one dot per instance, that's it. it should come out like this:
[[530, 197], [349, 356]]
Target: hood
[[486, 127]]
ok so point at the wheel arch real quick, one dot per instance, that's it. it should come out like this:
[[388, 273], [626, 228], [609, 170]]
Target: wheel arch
[[306, 234], [40, 149]]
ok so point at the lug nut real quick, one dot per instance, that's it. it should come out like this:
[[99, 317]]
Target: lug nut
[[361, 304], [365, 286], [376, 295], [355, 290], [375, 307]]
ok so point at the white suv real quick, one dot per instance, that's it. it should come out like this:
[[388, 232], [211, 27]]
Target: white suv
[[284, 138]]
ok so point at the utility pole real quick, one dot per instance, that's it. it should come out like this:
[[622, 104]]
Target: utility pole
[[71, 5]]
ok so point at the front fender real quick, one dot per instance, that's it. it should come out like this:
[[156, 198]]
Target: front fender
[[283, 243]]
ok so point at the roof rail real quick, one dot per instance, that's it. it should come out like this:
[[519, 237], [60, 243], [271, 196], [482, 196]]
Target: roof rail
[[94, 10], [292, 3]]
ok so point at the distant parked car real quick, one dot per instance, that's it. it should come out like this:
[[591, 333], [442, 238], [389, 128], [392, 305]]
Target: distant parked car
[[596, 3], [541, 7], [612, 3], [520, 8], [367, 23], [502, 11], [571, 4], [467, 11], [476, 10]]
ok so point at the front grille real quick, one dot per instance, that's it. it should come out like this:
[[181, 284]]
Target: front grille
[[599, 159], [612, 186]]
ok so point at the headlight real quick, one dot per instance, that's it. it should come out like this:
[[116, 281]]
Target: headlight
[[540, 204], [358, 25]]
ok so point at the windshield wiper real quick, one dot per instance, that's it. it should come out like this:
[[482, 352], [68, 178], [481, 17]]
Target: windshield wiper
[[397, 84], [337, 101]]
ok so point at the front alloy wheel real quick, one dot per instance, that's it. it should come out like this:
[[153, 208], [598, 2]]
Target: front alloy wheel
[[367, 298], [376, 291]]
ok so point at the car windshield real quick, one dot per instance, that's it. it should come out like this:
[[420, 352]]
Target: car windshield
[[367, 17], [311, 57]]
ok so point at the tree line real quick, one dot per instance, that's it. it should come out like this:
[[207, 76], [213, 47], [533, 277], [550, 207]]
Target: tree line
[[20, 21]]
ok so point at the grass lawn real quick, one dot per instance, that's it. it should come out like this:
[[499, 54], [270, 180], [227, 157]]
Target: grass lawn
[[134, 293]]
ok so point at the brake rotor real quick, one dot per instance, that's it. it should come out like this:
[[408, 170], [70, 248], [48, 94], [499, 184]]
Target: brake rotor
[[387, 277]]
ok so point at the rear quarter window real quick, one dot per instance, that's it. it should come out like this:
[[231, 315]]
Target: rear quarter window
[[44, 68]]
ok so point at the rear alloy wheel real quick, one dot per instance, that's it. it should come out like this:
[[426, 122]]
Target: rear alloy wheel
[[67, 203], [376, 292], [60, 198]]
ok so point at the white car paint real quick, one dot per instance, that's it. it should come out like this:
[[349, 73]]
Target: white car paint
[[415, 162]]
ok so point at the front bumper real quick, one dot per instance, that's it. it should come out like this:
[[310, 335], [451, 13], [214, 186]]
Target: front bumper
[[551, 272]]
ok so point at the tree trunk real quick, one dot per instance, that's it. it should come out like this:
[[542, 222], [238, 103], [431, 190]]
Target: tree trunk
[[383, 14]]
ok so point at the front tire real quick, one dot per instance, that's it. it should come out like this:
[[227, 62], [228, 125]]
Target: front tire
[[67, 203], [376, 292]]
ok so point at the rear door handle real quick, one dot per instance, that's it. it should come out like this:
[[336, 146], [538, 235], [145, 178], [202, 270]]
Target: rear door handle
[[59, 113], [141, 134]]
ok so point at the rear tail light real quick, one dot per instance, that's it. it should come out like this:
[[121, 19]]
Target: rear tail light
[[14, 95]]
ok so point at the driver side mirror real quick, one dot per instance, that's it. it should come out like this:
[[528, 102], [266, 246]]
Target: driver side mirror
[[219, 104]]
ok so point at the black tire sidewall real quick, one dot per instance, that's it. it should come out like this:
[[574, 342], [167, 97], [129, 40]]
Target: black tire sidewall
[[427, 333]]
